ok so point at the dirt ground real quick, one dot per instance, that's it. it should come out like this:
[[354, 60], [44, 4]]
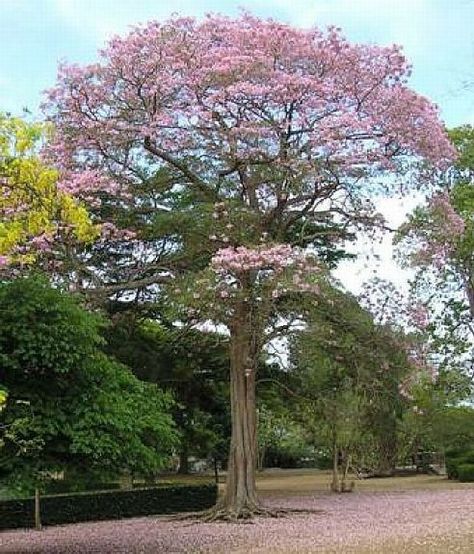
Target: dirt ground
[[415, 515], [306, 481]]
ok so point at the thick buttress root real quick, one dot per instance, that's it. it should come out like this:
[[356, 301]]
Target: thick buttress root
[[244, 515]]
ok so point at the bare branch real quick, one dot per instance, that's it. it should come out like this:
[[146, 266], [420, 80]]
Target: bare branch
[[179, 165]]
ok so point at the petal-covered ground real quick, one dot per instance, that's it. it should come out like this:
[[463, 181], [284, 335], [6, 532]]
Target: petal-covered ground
[[416, 521]]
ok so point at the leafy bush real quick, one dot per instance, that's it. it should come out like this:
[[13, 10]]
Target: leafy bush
[[454, 452], [468, 457], [324, 461], [466, 473], [72, 508], [69, 406], [455, 458], [452, 468], [59, 487]]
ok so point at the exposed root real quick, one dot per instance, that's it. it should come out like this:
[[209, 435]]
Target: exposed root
[[219, 514], [243, 515]]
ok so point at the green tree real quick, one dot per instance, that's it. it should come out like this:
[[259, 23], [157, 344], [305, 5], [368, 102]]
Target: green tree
[[351, 371], [71, 408], [282, 439], [34, 210], [438, 242], [193, 366], [453, 427]]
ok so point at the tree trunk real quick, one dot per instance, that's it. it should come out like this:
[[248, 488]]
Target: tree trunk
[[240, 497], [183, 468], [38, 525], [335, 466], [261, 457], [347, 463]]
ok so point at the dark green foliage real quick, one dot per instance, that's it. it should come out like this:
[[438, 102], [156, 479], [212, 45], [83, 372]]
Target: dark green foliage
[[454, 428], [275, 457], [452, 468], [61, 486], [466, 473], [320, 236], [457, 459], [349, 369], [453, 458], [455, 452], [282, 439], [42, 331], [193, 366], [463, 139], [72, 508], [69, 406], [324, 460]]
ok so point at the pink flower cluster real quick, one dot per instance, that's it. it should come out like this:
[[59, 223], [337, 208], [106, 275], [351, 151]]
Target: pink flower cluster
[[42, 242], [452, 222], [441, 233], [241, 259], [221, 93], [110, 231], [83, 183], [419, 315], [270, 263]]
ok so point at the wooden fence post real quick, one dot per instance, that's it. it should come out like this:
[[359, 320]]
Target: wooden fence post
[[38, 526]]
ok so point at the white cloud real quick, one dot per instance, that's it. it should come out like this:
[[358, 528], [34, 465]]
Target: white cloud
[[412, 23], [93, 19], [101, 19], [353, 274]]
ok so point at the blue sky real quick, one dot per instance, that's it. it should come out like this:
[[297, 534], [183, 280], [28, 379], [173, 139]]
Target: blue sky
[[437, 35]]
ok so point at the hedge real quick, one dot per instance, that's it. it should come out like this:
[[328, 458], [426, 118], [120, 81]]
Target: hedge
[[70, 487], [452, 468], [72, 508], [456, 458], [466, 473]]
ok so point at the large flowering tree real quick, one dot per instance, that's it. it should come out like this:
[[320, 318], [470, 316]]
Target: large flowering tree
[[278, 133]]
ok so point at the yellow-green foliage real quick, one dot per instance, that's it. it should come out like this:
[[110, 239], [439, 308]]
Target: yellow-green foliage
[[30, 202], [3, 398]]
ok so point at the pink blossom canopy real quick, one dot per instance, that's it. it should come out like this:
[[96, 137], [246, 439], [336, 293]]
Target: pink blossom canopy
[[253, 107]]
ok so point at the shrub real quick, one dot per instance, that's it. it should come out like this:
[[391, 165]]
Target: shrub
[[454, 452], [468, 457], [324, 461], [452, 468], [72, 508], [466, 473], [60, 487], [455, 458]]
